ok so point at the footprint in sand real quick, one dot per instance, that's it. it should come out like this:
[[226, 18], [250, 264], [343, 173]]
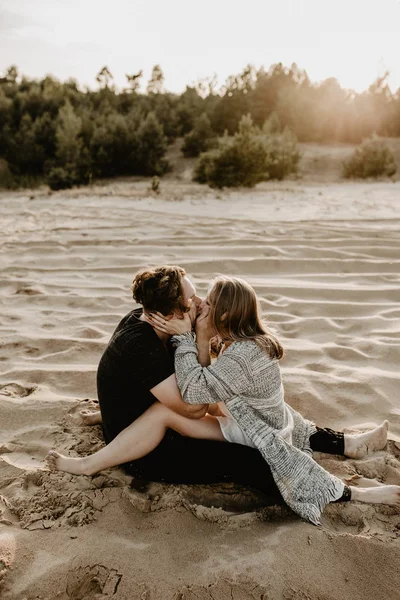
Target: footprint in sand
[[85, 404], [7, 553], [15, 390], [33, 351], [97, 581], [22, 457], [223, 588], [394, 448], [29, 291]]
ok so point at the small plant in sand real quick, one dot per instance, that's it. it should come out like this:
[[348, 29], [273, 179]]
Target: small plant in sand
[[155, 184], [372, 158]]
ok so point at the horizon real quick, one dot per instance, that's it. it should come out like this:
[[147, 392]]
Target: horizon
[[45, 37]]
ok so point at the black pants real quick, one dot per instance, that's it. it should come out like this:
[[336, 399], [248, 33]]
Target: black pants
[[180, 459], [327, 440]]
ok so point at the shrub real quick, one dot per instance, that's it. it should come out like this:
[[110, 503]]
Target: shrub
[[60, 178], [282, 154], [239, 163], [248, 158], [204, 166], [7, 179], [199, 139], [371, 158]]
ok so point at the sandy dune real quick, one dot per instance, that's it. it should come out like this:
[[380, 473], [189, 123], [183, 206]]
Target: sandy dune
[[325, 260]]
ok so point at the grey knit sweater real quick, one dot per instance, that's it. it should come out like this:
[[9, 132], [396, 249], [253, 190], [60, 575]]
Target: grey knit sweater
[[250, 384]]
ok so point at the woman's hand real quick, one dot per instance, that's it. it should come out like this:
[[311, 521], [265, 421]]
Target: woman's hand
[[174, 326], [204, 327], [214, 410]]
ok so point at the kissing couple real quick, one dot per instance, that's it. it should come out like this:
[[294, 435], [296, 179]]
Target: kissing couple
[[171, 413]]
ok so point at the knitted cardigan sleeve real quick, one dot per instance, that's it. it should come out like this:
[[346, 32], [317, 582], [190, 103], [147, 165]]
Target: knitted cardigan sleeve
[[228, 377]]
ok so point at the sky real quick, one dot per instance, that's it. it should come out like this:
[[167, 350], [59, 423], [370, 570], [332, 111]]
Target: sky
[[352, 40]]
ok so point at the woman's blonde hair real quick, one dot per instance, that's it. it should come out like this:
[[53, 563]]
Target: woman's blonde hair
[[236, 314]]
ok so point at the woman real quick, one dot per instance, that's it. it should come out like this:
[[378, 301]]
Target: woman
[[245, 383]]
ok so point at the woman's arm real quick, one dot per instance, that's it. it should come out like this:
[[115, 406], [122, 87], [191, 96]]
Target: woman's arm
[[229, 376]]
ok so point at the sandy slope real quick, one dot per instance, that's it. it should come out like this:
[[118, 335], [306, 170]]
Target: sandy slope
[[325, 261]]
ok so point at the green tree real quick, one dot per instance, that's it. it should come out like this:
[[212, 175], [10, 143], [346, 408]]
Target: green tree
[[24, 154], [114, 145], [273, 124], [10, 76], [134, 81], [104, 78], [68, 143], [73, 162], [152, 145], [200, 138], [156, 81]]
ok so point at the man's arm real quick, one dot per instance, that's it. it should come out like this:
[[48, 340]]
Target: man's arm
[[167, 392]]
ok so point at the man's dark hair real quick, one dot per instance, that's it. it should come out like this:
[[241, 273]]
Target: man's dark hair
[[160, 289]]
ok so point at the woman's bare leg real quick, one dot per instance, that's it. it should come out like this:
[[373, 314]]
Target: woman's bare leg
[[91, 417], [137, 440], [359, 445], [384, 494]]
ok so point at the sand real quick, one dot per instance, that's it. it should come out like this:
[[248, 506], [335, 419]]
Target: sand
[[325, 260]]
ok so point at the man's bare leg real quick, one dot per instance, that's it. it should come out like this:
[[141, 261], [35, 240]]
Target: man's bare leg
[[91, 417], [359, 445], [137, 440]]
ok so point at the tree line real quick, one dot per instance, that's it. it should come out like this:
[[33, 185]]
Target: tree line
[[67, 135]]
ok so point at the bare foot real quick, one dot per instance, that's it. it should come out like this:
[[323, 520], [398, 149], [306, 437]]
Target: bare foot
[[59, 462], [386, 494], [360, 444], [362, 482], [90, 417]]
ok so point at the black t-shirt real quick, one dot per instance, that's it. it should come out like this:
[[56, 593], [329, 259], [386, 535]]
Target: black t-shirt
[[134, 362]]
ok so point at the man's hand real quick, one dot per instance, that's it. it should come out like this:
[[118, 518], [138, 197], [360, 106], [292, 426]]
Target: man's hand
[[197, 412], [193, 313], [167, 392]]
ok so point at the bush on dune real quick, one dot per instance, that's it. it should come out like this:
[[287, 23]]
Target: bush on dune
[[200, 139], [60, 178], [372, 158], [282, 154], [249, 157]]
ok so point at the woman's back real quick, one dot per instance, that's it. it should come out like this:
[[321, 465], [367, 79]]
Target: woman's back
[[264, 390]]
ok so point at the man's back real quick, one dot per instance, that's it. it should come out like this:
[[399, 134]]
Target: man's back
[[134, 362]]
